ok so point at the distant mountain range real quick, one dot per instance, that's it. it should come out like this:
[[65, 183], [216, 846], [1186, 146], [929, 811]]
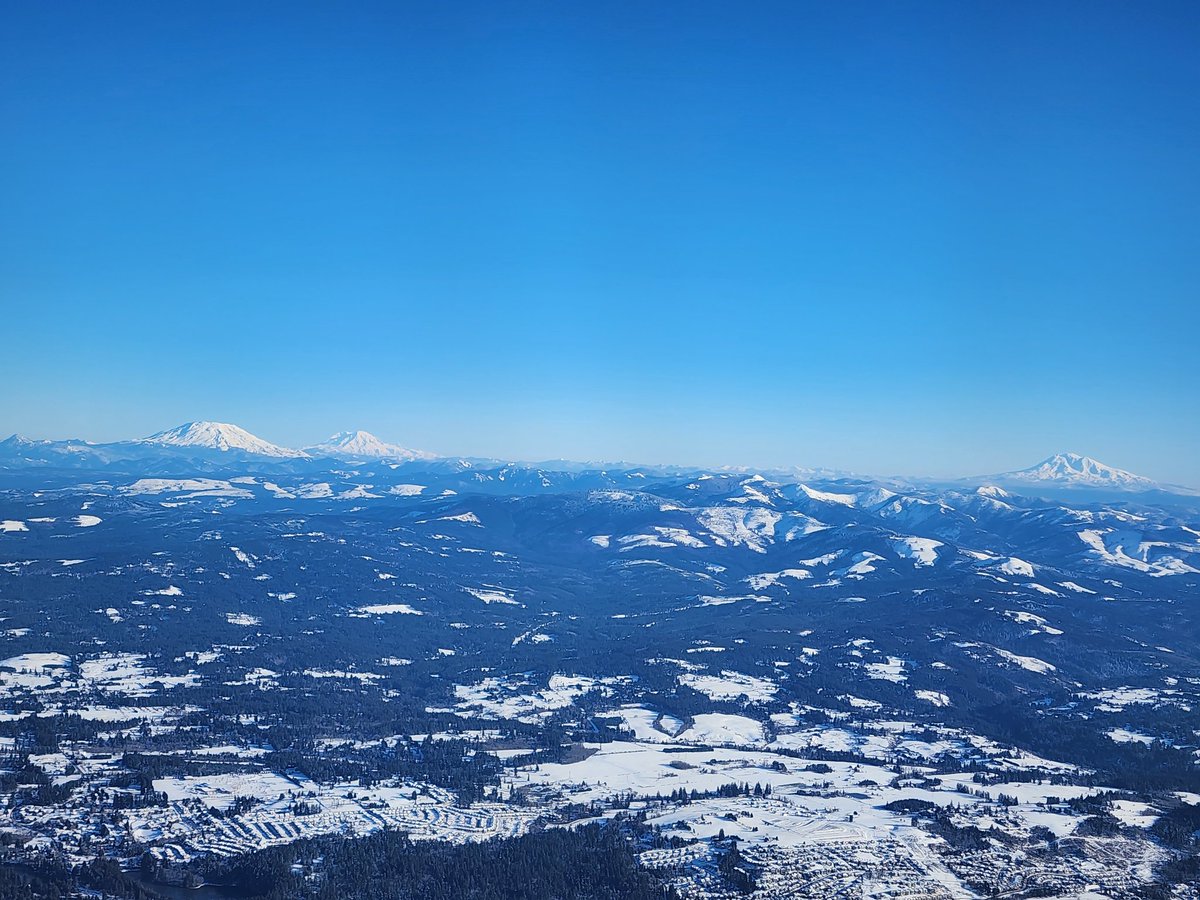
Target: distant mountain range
[[215, 442], [206, 439]]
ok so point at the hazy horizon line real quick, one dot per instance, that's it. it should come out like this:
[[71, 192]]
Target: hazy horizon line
[[836, 471]]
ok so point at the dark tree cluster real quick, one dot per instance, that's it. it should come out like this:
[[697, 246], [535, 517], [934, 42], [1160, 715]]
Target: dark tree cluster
[[589, 863]]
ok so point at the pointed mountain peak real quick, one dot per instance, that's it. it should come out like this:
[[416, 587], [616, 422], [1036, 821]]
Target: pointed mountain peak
[[364, 445], [219, 436]]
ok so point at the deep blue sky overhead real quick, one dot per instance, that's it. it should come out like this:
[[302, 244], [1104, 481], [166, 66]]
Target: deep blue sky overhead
[[890, 237]]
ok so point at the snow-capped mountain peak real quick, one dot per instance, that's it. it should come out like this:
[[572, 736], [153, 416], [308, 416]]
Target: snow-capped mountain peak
[[992, 492], [362, 445], [219, 436], [1075, 470]]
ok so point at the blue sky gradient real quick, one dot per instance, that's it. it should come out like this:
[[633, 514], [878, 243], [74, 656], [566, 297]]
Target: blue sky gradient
[[928, 238]]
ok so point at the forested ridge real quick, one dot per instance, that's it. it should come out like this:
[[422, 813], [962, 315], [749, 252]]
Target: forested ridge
[[588, 863]]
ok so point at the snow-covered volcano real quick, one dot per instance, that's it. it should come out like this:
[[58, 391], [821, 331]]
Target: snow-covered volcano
[[364, 445], [219, 436], [1074, 470]]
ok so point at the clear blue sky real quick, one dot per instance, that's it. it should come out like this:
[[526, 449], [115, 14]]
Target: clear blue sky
[[887, 236]]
